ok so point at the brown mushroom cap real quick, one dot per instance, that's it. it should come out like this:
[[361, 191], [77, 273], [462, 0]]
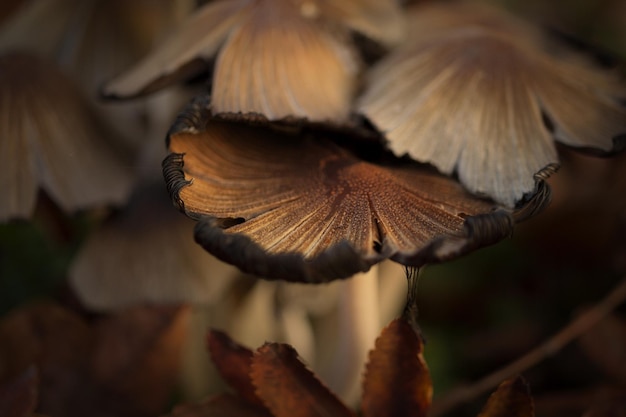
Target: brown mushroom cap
[[304, 209], [50, 139], [478, 93], [275, 59]]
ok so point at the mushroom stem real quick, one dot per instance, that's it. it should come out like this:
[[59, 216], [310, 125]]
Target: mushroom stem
[[358, 325], [569, 333], [296, 330]]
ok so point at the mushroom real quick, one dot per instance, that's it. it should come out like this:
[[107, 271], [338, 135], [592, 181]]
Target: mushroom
[[479, 94], [310, 210], [50, 139], [93, 41], [332, 325], [274, 59], [144, 255]]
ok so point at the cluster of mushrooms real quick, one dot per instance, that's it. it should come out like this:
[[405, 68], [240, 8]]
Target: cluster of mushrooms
[[334, 136]]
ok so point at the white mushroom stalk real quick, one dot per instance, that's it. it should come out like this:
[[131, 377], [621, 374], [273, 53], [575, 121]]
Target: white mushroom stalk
[[357, 326]]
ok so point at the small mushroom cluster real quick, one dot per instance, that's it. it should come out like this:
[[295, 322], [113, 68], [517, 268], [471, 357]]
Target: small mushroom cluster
[[88, 159], [332, 137]]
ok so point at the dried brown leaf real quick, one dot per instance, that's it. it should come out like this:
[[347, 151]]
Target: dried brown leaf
[[123, 365], [511, 399], [137, 355], [18, 397], [57, 342], [52, 140], [288, 388], [233, 362], [46, 335], [397, 381]]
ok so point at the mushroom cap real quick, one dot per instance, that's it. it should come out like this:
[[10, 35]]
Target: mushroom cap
[[305, 209], [95, 40], [481, 94], [274, 59], [50, 139], [145, 254]]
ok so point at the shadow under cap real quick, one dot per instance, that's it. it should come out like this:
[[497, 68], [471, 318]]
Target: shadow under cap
[[480, 94], [50, 139], [304, 209], [281, 59]]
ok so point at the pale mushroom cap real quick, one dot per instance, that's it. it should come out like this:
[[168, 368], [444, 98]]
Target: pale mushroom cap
[[280, 64], [274, 59], [481, 95], [146, 255], [95, 40], [51, 140]]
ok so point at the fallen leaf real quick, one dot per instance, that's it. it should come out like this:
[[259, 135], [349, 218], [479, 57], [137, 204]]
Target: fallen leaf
[[137, 355], [288, 388], [121, 365], [233, 362], [511, 399], [56, 341], [397, 381]]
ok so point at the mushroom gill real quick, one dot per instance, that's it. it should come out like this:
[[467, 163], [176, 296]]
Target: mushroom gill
[[309, 210], [274, 59], [50, 139]]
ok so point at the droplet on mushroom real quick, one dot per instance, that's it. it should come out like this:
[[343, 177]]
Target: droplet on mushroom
[[309, 210], [483, 95], [51, 140], [274, 59]]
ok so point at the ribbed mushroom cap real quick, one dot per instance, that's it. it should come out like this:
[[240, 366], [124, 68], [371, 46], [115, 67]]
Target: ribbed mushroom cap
[[305, 209], [485, 96], [274, 59], [95, 40], [145, 254], [51, 140]]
